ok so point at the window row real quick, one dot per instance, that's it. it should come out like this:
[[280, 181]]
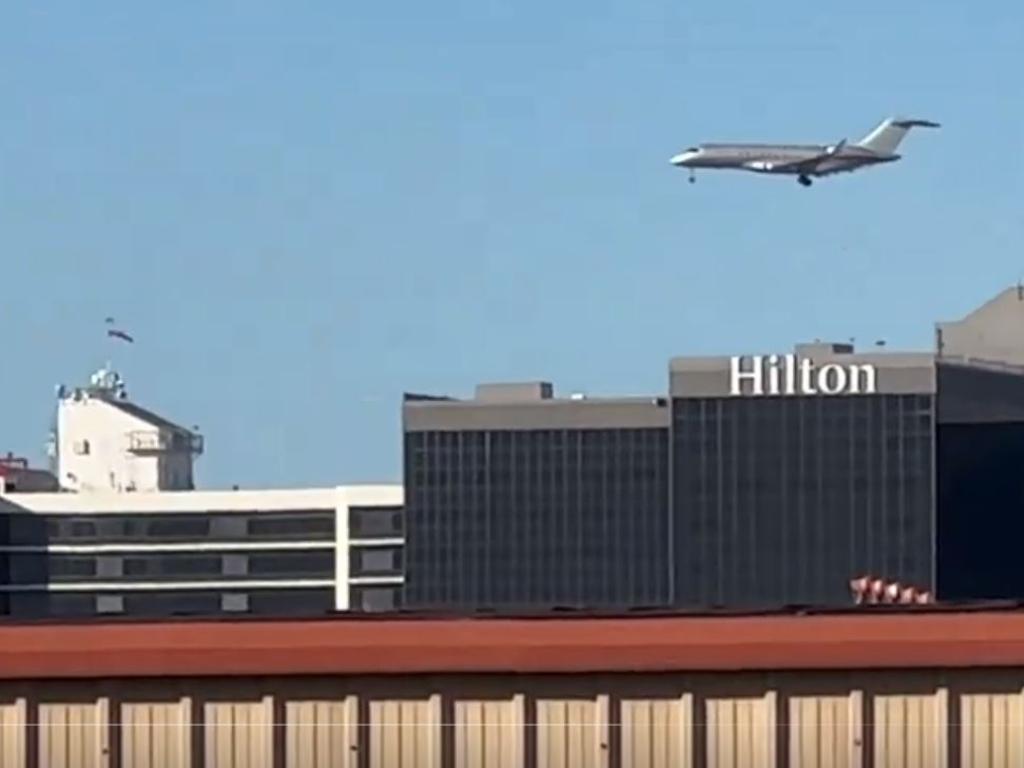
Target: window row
[[264, 602], [169, 527], [42, 568]]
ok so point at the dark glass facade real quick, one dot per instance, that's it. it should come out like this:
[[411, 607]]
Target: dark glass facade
[[980, 452], [783, 500], [735, 499], [509, 518], [981, 496]]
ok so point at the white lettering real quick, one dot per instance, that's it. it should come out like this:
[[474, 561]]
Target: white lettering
[[868, 372], [787, 375], [773, 374], [790, 374], [806, 384], [832, 379], [737, 376]]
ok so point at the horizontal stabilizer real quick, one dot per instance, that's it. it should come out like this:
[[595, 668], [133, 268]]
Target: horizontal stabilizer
[[917, 124]]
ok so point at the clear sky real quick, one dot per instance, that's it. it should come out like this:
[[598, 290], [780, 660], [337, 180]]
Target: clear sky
[[302, 209]]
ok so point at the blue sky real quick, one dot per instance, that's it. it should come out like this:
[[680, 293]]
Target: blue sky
[[303, 209]]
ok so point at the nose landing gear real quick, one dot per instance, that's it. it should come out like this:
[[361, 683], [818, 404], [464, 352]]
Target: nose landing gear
[[804, 180], [693, 176]]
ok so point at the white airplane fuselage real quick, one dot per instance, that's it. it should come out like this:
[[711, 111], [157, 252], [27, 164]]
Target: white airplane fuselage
[[802, 160], [778, 158]]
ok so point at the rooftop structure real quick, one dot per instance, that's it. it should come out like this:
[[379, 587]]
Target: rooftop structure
[[105, 442], [17, 475]]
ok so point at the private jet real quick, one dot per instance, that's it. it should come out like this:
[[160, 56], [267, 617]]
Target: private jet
[[803, 160]]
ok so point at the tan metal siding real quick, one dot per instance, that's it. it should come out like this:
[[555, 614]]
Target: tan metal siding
[[572, 733], [405, 733], [741, 731], [657, 733], [489, 734], [910, 731], [12, 733], [322, 734], [992, 730], [239, 734], [156, 735], [826, 731], [74, 735]]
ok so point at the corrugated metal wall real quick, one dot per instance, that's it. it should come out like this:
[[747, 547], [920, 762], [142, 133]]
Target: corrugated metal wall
[[239, 734], [657, 733], [74, 735], [826, 731], [490, 733], [322, 734], [13, 715], [910, 731], [991, 730], [405, 733], [156, 734], [822, 720], [572, 733], [741, 731]]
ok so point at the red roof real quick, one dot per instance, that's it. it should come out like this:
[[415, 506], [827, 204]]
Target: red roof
[[496, 645]]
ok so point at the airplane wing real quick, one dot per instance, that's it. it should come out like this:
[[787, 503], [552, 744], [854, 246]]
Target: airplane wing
[[803, 165]]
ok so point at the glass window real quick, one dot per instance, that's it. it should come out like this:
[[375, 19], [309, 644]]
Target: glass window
[[374, 599], [294, 602], [172, 603], [172, 564], [375, 522], [291, 525], [181, 527], [234, 602], [109, 604], [292, 564]]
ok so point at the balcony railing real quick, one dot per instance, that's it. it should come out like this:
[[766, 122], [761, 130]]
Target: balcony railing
[[160, 441]]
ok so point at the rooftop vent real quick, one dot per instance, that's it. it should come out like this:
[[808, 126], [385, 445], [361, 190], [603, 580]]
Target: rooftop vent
[[514, 392], [824, 349]]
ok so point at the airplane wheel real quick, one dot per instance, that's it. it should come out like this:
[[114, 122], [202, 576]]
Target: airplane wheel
[[804, 181]]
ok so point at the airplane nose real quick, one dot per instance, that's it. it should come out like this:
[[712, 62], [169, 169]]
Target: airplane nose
[[683, 158]]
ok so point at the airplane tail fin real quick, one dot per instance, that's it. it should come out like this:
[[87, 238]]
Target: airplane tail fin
[[890, 132]]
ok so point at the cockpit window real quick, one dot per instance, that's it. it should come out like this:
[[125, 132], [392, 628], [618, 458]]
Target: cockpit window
[[693, 149]]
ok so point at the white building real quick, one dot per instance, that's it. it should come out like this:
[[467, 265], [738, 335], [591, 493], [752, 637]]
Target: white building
[[105, 442], [126, 533], [268, 552]]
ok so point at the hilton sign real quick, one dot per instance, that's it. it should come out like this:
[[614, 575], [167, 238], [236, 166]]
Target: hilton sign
[[786, 375]]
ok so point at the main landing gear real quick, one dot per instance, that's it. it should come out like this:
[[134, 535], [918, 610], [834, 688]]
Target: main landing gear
[[804, 180]]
